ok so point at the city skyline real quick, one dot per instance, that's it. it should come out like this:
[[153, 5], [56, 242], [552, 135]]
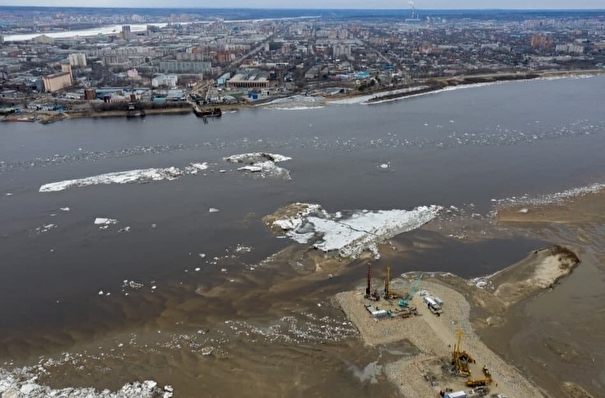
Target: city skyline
[[330, 4]]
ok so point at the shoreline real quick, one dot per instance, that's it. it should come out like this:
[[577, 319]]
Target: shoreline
[[466, 81], [425, 87]]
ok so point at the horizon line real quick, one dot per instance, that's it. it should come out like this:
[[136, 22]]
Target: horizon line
[[308, 9]]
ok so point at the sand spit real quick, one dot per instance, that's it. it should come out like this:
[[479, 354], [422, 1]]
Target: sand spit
[[540, 270], [125, 177], [346, 233], [435, 335]]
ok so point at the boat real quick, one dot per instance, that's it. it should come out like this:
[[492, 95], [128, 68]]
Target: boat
[[210, 112], [134, 112]]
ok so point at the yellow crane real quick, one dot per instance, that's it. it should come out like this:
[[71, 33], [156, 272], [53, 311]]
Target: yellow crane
[[387, 286]]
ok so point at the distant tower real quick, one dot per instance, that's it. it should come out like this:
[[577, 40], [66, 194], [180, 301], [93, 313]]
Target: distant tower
[[126, 32], [414, 18]]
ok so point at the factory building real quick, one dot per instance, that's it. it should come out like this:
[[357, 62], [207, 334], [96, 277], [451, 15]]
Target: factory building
[[57, 81], [253, 79]]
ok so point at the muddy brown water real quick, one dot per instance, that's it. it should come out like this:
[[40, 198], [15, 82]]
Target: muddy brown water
[[558, 335], [478, 144]]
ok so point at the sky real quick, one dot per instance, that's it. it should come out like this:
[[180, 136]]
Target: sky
[[319, 4]]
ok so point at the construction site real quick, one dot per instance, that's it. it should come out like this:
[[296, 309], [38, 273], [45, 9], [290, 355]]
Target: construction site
[[453, 362]]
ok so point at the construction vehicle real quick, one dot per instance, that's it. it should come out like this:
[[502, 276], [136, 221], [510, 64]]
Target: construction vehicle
[[371, 295], [461, 359], [404, 302], [478, 382], [388, 294]]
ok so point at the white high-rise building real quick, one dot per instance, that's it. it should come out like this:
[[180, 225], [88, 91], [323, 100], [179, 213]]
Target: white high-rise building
[[342, 50], [77, 59], [164, 80]]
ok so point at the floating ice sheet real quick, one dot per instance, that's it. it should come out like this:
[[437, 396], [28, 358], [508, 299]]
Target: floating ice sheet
[[262, 163], [126, 177], [350, 233]]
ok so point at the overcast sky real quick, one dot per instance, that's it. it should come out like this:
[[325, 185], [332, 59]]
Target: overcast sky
[[367, 4]]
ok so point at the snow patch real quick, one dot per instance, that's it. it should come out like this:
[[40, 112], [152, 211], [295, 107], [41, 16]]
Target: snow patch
[[364, 99], [296, 102]]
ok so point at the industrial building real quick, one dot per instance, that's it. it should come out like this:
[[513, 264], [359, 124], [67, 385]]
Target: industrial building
[[57, 81], [252, 79], [221, 81], [90, 94]]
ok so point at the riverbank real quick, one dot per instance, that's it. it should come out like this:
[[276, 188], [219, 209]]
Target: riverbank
[[466, 304], [438, 84], [298, 102]]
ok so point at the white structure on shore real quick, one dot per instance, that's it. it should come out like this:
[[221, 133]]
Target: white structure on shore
[[164, 80], [569, 48]]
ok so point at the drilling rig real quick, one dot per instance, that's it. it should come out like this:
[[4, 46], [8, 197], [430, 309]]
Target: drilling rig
[[371, 295], [461, 359], [388, 295]]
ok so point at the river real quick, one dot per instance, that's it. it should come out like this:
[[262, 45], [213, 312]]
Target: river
[[460, 148]]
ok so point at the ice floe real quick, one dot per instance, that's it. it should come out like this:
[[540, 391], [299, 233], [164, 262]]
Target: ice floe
[[194, 168], [21, 383], [354, 231], [105, 221], [126, 177], [556, 198], [261, 162], [45, 228]]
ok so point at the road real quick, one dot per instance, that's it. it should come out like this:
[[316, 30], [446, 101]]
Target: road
[[239, 60]]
